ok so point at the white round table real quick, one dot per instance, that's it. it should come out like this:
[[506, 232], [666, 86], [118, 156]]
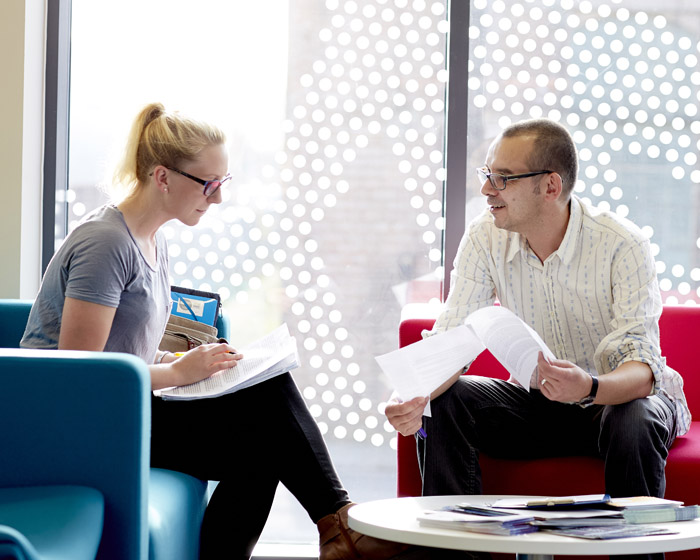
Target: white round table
[[395, 520]]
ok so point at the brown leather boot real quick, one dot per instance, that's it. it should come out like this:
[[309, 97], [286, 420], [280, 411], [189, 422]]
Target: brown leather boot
[[340, 542]]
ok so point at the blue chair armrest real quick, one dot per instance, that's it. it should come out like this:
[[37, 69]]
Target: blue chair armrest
[[60, 522], [15, 546]]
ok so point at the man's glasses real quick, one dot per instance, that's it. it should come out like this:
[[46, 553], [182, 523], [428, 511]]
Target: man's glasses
[[499, 181], [210, 187]]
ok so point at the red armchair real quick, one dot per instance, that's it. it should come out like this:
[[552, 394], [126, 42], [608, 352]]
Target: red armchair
[[680, 332]]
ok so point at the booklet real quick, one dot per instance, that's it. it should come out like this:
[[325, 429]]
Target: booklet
[[504, 524], [195, 305], [418, 369], [271, 355], [644, 502], [555, 502]]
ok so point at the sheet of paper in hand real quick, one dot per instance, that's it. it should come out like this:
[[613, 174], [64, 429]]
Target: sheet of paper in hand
[[420, 368]]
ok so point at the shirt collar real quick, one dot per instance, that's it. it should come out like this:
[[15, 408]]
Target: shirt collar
[[567, 248]]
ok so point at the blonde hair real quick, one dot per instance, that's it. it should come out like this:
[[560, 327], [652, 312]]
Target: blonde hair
[[159, 138]]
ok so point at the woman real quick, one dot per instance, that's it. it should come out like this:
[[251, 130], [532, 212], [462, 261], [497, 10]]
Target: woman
[[107, 289]]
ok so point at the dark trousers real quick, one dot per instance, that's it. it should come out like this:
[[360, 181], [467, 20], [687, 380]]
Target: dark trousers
[[249, 441], [504, 420]]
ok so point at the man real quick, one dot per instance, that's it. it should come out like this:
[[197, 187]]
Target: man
[[586, 282]]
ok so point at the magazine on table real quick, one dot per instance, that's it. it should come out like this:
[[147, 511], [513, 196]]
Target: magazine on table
[[478, 520], [267, 357], [555, 502]]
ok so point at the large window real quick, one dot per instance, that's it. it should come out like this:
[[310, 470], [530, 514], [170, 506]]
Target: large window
[[335, 112], [623, 77]]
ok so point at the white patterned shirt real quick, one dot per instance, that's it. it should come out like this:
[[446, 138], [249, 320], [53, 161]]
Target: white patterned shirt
[[595, 301]]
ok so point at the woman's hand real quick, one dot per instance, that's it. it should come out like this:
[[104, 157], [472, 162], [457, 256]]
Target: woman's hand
[[202, 362], [406, 417]]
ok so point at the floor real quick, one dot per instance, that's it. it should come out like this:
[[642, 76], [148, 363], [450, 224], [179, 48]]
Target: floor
[[368, 473]]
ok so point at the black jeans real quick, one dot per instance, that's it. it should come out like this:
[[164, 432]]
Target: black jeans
[[504, 420], [249, 441]]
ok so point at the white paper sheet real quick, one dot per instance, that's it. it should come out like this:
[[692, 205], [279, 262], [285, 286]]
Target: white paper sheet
[[271, 355], [418, 369]]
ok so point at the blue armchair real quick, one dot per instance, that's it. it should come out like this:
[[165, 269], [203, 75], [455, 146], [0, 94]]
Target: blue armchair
[[74, 451], [81, 421]]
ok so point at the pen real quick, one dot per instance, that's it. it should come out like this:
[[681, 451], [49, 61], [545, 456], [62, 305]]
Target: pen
[[180, 354]]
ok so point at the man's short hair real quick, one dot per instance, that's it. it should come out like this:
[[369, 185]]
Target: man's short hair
[[553, 149]]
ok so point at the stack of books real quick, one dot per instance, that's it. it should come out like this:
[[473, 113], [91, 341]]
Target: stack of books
[[646, 509]]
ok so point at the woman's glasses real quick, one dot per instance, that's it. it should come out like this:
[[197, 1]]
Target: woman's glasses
[[210, 187]]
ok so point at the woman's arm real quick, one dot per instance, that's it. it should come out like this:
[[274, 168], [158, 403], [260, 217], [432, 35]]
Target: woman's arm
[[86, 326]]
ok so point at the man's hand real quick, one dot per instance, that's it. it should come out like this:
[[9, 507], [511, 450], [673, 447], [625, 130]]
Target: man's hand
[[406, 417], [562, 381]]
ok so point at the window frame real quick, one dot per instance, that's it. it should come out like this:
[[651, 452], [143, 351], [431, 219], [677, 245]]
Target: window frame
[[56, 129]]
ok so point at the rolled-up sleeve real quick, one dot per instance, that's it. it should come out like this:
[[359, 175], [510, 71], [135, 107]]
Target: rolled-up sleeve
[[636, 311]]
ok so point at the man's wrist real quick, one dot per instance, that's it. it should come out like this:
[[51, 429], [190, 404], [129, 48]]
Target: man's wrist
[[590, 398]]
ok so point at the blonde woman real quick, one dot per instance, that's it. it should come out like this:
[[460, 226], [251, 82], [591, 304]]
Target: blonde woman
[[107, 289]]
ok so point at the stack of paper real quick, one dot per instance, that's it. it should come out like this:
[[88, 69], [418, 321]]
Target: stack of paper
[[272, 355]]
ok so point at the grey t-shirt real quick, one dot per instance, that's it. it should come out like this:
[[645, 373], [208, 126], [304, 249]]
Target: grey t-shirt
[[100, 262]]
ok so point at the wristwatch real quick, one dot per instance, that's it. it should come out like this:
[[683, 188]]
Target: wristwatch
[[588, 401]]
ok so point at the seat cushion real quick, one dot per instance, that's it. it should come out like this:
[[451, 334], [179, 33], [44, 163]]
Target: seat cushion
[[176, 504], [60, 522], [683, 466]]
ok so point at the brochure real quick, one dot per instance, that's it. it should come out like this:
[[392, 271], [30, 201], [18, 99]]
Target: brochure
[[555, 502]]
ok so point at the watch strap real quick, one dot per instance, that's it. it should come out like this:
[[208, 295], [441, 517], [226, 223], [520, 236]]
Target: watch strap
[[594, 387], [588, 400]]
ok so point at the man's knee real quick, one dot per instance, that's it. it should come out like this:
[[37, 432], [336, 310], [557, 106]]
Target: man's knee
[[469, 388], [632, 424]]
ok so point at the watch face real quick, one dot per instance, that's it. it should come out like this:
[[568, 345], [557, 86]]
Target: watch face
[[586, 401]]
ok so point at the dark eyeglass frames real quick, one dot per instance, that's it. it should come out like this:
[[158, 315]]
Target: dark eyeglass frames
[[499, 181], [210, 187]]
